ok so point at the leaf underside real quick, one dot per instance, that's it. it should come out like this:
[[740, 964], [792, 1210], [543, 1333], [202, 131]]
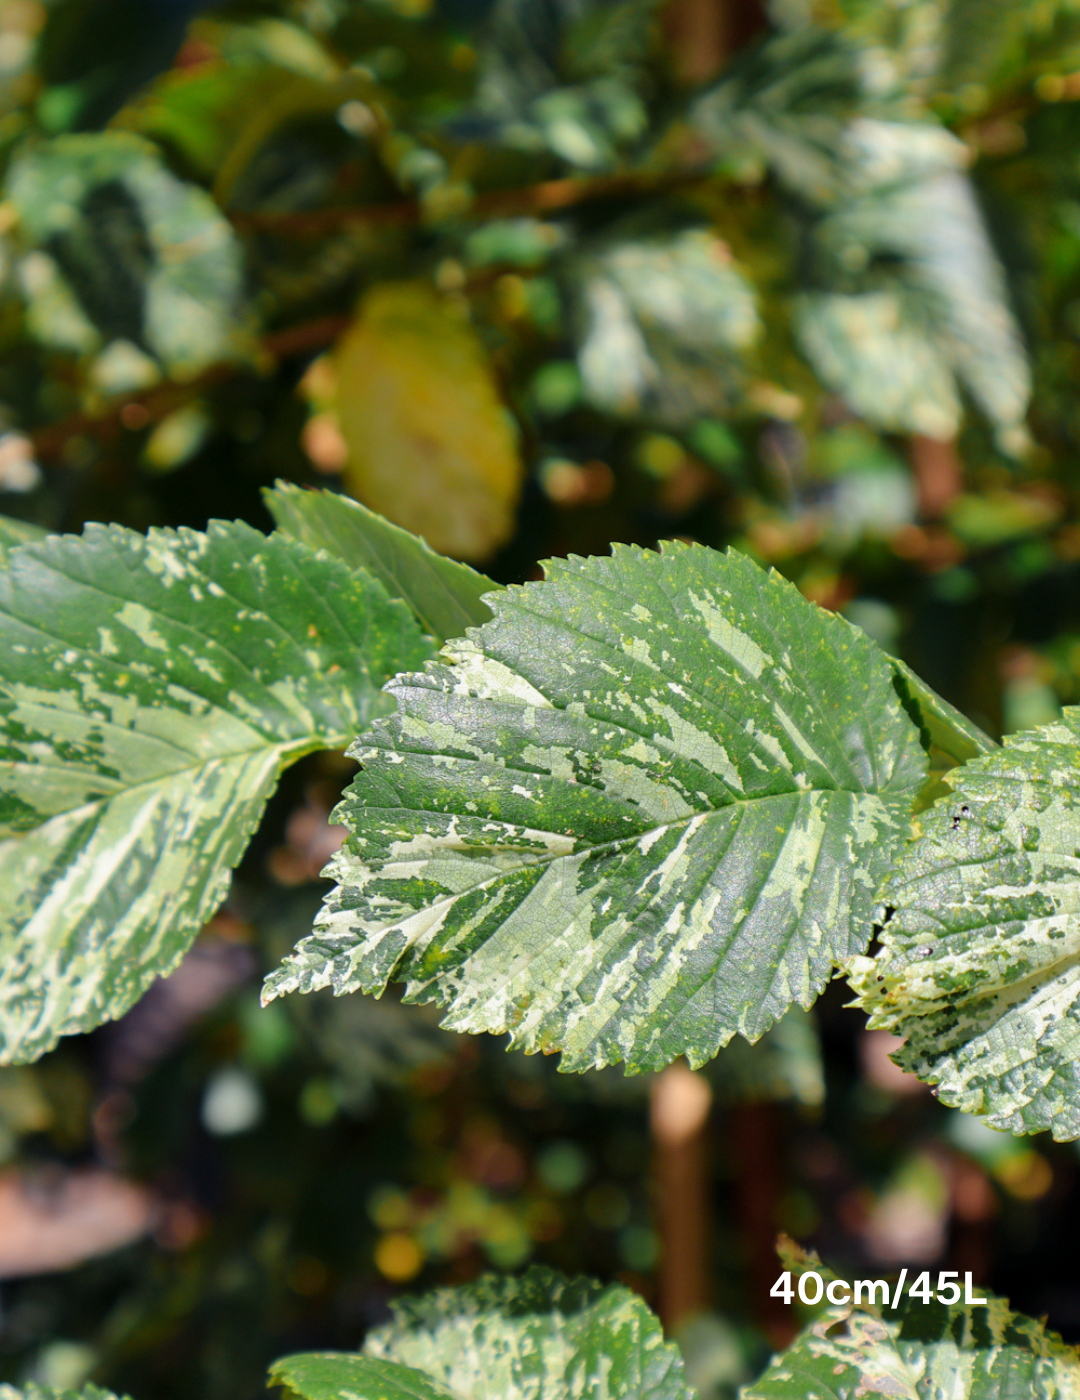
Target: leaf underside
[[151, 691], [980, 963], [645, 808], [537, 1335], [922, 1352]]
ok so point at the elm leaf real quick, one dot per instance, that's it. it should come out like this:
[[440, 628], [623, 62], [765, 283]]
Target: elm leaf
[[444, 594], [646, 807], [979, 965], [532, 1337], [151, 691]]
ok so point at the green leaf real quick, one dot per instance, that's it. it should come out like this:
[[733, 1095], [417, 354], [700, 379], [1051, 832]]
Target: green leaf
[[151, 691], [16, 532], [949, 737], [333, 1375], [978, 966], [445, 596], [120, 250], [646, 807], [665, 325], [921, 1351], [536, 1335]]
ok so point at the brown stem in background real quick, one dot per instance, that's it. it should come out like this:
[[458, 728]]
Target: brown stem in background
[[543, 198], [704, 34], [139, 410], [938, 472], [678, 1115], [758, 1186]]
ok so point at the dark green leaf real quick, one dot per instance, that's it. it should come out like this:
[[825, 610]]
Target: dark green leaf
[[536, 1336], [335, 1375], [645, 808], [446, 596]]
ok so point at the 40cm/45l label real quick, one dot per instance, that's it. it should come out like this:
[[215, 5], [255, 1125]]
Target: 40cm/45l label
[[812, 1289]]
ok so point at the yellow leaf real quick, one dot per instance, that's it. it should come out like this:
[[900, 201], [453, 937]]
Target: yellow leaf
[[431, 445]]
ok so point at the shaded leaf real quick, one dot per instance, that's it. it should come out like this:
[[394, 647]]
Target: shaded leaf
[[949, 737], [567, 77], [445, 596], [430, 444], [151, 691], [978, 966], [120, 249], [330, 1375], [644, 808], [537, 1335]]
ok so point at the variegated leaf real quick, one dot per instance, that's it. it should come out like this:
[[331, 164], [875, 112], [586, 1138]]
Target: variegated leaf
[[535, 1336], [151, 691], [924, 1351], [644, 808], [980, 961]]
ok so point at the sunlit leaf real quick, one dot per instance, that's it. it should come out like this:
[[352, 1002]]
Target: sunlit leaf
[[978, 964], [431, 446], [643, 809], [151, 691], [536, 1335], [446, 596], [922, 1350]]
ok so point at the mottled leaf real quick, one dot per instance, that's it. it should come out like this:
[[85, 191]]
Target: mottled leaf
[[978, 966], [117, 249], [430, 444], [539, 1336], [665, 323], [151, 691], [445, 596], [335, 1375], [566, 77], [922, 1351], [918, 227], [644, 808]]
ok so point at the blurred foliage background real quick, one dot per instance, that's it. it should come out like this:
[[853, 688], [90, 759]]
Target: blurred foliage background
[[529, 277]]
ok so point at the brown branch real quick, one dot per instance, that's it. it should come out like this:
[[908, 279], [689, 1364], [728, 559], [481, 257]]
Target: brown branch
[[542, 198], [152, 405]]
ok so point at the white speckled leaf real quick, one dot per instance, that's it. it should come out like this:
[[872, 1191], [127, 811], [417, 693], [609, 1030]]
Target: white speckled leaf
[[151, 691], [922, 1352], [980, 962], [539, 1336], [644, 808]]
